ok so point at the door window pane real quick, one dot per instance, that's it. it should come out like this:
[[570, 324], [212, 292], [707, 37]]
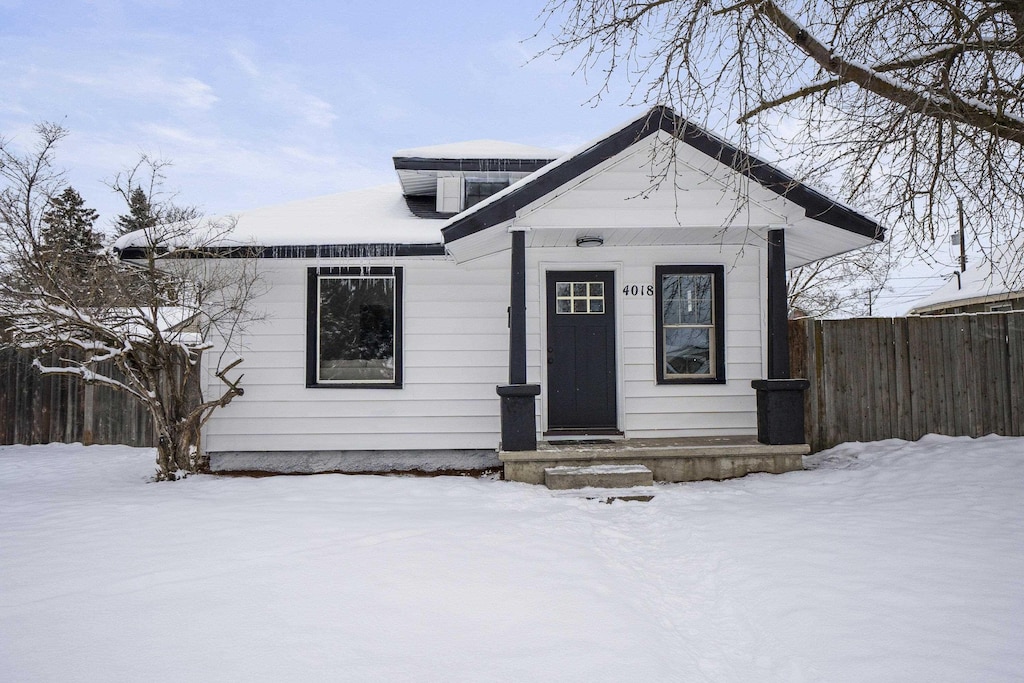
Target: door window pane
[[579, 297]]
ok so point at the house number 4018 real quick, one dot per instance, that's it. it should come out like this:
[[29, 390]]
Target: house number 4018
[[638, 290]]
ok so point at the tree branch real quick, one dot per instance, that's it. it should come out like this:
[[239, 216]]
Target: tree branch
[[948, 105], [811, 89]]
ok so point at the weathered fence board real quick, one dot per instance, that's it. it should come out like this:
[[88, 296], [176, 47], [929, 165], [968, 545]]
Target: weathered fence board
[[880, 378], [37, 409]]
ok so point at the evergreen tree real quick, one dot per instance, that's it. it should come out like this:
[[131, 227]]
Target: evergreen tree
[[140, 214], [67, 225]]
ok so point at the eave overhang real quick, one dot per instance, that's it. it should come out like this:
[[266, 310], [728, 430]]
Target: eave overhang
[[504, 207]]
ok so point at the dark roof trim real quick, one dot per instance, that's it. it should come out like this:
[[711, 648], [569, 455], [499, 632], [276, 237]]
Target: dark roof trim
[[426, 164], [303, 251], [816, 205], [425, 206]]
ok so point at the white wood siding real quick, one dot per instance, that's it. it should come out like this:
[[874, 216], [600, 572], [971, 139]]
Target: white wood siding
[[455, 351]]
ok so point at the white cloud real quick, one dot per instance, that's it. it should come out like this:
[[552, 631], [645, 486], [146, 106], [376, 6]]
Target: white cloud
[[145, 84], [276, 87], [244, 62]]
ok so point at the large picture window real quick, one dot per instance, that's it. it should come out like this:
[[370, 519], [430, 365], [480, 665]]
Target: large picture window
[[690, 304], [354, 327]]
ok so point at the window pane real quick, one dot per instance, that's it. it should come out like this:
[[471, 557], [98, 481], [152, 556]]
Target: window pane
[[579, 289], [562, 289], [687, 299], [357, 329], [479, 190], [687, 351], [564, 306], [597, 289], [597, 305]]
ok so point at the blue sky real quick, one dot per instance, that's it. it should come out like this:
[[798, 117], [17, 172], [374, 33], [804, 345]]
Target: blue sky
[[259, 103]]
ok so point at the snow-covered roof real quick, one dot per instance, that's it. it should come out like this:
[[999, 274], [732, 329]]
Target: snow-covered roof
[[480, 149], [972, 287], [377, 215], [381, 216], [419, 169], [828, 226]]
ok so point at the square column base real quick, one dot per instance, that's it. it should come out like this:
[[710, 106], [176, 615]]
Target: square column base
[[780, 410], [518, 416]]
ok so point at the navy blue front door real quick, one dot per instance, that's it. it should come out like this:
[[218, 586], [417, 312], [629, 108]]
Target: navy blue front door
[[581, 351]]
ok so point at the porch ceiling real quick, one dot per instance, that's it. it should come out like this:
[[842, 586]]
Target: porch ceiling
[[804, 243]]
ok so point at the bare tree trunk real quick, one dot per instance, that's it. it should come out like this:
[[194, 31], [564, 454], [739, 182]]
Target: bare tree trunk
[[177, 416]]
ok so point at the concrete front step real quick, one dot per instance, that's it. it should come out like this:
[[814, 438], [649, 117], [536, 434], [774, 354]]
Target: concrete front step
[[597, 476], [642, 494]]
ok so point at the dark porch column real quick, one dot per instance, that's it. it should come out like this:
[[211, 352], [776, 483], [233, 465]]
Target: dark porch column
[[517, 312], [518, 413], [778, 308], [780, 400]]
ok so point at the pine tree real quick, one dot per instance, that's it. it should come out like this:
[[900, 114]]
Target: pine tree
[[67, 225], [140, 214]]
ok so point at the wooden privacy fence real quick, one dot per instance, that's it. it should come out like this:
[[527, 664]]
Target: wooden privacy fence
[[880, 378], [44, 409]]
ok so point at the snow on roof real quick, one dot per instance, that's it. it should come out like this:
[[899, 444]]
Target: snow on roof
[[375, 215], [664, 116], [480, 149], [972, 284]]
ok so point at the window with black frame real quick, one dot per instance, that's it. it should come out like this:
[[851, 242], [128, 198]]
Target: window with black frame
[[691, 320], [478, 190], [354, 327]]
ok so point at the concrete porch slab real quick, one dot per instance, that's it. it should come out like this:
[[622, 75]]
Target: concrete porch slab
[[672, 459]]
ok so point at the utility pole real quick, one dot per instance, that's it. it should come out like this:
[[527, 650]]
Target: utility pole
[[963, 239]]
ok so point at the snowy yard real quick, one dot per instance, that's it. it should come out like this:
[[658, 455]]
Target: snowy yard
[[890, 561]]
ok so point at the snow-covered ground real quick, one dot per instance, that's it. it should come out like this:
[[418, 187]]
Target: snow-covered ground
[[889, 561]]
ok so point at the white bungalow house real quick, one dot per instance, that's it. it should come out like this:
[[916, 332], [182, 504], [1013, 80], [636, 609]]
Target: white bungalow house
[[507, 305]]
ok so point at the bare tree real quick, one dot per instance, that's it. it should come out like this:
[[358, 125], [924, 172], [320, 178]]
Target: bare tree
[[902, 107], [151, 311], [847, 285], [149, 205]]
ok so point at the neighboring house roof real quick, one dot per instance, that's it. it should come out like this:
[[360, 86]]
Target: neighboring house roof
[[504, 205], [973, 287]]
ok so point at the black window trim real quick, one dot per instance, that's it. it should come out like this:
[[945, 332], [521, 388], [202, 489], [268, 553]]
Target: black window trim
[[717, 273], [313, 276]]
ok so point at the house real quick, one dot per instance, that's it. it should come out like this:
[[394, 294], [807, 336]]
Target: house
[[977, 290], [519, 306]]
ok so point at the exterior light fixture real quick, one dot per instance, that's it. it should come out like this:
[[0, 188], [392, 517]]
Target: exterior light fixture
[[588, 241]]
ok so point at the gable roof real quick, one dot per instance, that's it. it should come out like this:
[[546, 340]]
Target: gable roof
[[977, 286], [504, 205]]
